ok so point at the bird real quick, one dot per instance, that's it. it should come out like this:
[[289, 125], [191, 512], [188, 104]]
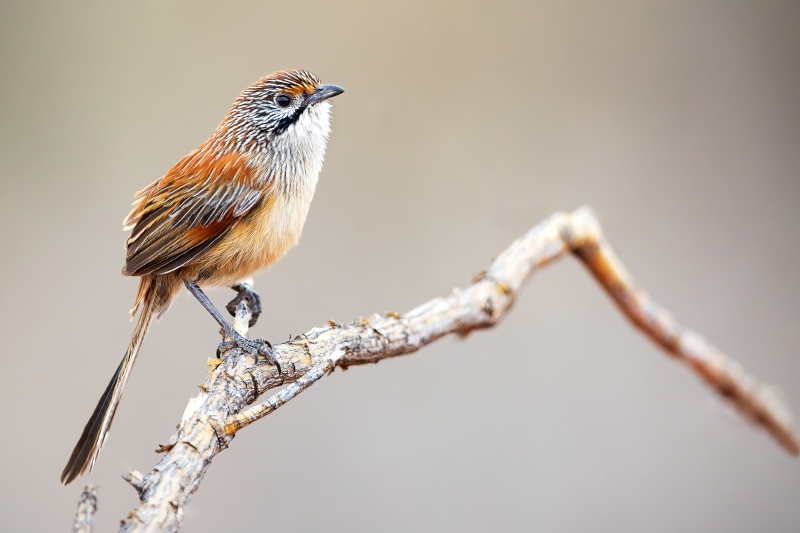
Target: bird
[[229, 209]]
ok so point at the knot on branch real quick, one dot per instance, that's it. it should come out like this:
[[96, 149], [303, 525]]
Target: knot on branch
[[227, 403]]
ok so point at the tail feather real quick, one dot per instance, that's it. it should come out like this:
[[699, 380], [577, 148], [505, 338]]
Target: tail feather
[[88, 447]]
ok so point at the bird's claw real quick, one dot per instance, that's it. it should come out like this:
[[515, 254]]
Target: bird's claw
[[265, 348], [253, 347], [225, 347]]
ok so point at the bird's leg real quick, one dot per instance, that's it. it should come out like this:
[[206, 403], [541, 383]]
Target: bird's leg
[[246, 293], [252, 346]]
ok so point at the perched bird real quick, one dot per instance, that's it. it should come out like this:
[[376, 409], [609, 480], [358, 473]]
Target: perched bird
[[229, 209]]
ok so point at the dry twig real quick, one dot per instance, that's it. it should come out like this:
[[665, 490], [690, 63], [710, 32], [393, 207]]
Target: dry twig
[[87, 506], [212, 418]]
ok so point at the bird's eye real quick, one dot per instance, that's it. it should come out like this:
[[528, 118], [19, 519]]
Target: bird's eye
[[283, 100]]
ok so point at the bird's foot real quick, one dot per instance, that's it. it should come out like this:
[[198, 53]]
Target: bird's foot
[[255, 347], [245, 293]]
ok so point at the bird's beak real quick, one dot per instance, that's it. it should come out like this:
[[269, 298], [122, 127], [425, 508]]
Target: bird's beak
[[324, 92]]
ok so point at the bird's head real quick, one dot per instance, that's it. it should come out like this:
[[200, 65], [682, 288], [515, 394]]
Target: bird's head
[[288, 105]]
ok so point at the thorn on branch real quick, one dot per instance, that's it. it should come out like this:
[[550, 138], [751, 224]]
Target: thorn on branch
[[164, 448], [370, 326], [136, 479]]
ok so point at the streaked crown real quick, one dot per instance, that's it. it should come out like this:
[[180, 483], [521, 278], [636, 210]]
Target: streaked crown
[[272, 105]]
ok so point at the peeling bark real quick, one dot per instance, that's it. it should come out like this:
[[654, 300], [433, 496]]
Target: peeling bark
[[223, 407]]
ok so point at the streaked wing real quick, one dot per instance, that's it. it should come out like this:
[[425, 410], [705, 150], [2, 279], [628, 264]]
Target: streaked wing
[[187, 211]]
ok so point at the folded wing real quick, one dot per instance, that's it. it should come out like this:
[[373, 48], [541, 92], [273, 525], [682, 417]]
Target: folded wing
[[191, 208]]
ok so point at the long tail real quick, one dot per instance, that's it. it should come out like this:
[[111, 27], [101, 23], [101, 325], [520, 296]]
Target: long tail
[[96, 430]]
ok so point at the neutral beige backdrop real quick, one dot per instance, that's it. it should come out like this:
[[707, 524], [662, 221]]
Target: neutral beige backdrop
[[463, 124]]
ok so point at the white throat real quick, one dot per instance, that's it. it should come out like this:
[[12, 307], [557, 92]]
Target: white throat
[[295, 157]]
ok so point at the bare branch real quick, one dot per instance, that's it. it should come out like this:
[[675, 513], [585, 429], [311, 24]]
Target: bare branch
[[212, 418], [87, 506], [236, 422]]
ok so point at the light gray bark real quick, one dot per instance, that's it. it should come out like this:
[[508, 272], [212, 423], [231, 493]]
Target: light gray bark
[[223, 407], [87, 506]]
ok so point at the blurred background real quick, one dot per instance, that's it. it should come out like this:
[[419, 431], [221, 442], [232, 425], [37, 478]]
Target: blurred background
[[464, 124]]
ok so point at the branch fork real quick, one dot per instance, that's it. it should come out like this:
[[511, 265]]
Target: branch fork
[[227, 399]]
